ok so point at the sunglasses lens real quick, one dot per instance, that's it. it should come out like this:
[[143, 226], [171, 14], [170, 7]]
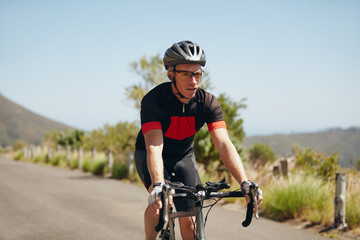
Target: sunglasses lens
[[198, 75], [186, 74]]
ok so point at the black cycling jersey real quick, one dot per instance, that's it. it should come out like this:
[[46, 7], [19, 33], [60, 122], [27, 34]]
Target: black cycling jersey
[[160, 109]]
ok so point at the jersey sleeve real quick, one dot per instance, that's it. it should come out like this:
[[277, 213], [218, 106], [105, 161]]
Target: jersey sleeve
[[150, 114], [215, 118]]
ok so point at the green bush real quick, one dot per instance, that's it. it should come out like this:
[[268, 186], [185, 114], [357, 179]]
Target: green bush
[[261, 154], [19, 145], [119, 170], [19, 156], [55, 161], [307, 198], [98, 167], [86, 166], [317, 163], [74, 163], [40, 158]]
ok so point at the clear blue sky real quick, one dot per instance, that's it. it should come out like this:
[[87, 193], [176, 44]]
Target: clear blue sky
[[296, 62]]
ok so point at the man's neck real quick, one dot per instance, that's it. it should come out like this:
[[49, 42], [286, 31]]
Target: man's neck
[[177, 95]]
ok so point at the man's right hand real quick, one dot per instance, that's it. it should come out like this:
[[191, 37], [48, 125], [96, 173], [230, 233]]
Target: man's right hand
[[156, 191], [154, 200], [154, 207]]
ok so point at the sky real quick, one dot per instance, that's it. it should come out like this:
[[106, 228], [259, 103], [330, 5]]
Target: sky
[[297, 63]]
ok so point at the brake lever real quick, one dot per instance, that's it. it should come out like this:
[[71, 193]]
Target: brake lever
[[166, 192], [254, 192], [164, 211]]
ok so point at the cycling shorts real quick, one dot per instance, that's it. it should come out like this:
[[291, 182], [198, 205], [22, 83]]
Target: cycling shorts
[[175, 170]]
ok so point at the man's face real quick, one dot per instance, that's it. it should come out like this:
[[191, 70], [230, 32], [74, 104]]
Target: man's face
[[187, 78]]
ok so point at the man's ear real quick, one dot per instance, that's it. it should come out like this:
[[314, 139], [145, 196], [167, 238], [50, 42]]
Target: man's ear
[[170, 75]]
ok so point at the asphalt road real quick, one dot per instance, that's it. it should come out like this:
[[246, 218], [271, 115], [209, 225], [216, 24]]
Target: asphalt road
[[43, 202]]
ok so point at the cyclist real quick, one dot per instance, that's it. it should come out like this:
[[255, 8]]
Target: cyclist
[[171, 114]]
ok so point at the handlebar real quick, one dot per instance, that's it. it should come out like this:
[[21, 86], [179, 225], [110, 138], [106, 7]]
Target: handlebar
[[204, 192]]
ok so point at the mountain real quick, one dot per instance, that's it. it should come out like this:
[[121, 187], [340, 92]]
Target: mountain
[[345, 141], [16, 122]]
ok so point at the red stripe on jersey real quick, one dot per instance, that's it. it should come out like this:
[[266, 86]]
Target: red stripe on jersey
[[181, 128], [214, 125], [150, 126]]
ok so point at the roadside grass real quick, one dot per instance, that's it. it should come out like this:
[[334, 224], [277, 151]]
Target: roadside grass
[[352, 214], [353, 209], [302, 197]]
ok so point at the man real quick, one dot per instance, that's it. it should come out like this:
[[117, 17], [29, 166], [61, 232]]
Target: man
[[171, 114]]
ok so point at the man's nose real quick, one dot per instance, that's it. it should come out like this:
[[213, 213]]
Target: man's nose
[[193, 80]]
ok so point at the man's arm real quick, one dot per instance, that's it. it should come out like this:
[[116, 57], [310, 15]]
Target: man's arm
[[154, 148], [228, 154]]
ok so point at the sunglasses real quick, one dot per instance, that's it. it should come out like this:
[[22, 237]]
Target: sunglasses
[[187, 74]]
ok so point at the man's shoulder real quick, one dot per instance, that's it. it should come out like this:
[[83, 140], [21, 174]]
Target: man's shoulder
[[160, 90], [204, 96], [155, 97]]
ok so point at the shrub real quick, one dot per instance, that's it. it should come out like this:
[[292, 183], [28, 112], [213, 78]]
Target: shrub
[[74, 163], [119, 170], [40, 159], [317, 163], [261, 154], [19, 156], [55, 161], [19, 145], [306, 198], [86, 166], [98, 166]]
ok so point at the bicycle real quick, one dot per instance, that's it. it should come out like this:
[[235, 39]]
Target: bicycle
[[200, 193]]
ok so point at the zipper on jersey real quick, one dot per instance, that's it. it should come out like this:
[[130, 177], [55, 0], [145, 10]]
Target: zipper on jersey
[[183, 107]]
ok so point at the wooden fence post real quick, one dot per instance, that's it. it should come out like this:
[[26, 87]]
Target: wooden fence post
[[80, 157], [49, 156], [110, 160], [68, 149], [93, 153], [340, 200], [130, 162], [284, 167], [32, 150], [25, 153], [276, 171], [58, 149]]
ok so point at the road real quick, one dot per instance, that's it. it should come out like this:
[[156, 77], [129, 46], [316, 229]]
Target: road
[[42, 202]]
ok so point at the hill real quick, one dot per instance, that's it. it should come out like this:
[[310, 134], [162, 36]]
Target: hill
[[345, 141], [16, 123]]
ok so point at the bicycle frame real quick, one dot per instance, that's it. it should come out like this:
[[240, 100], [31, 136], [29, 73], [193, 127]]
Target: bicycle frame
[[197, 212]]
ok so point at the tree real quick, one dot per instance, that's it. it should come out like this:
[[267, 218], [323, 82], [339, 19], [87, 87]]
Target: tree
[[205, 151], [72, 138], [19, 145], [261, 154], [151, 70], [119, 138], [50, 137], [313, 162]]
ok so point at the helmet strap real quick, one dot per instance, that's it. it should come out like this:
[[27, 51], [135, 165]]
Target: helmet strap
[[174, 83]]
